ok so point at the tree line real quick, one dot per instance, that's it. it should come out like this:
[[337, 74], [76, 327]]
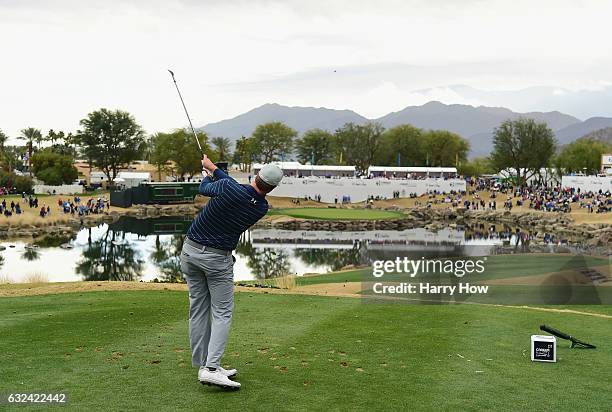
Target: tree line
[[523, 144], [528, 146], [109, 140], [361, 145]]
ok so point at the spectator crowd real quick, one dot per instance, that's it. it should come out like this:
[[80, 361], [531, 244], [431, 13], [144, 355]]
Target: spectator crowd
[[73, 206]]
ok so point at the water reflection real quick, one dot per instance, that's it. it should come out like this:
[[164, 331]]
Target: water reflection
[[149, 250], [52, 240], [109, 258], [335, 259], [30, 253], [264, 263], [166, 256]]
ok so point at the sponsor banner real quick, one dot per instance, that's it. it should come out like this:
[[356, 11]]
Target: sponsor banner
[[358, 190]]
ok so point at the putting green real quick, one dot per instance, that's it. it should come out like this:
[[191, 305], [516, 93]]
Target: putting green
[[128, 350], [337, 214]]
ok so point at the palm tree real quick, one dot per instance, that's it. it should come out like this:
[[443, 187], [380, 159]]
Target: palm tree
[[51, 136], [70, 142], [222, 146], [39, 140], [243, 154], [3, 139], [31, 135], [30, 254], [10, 156]]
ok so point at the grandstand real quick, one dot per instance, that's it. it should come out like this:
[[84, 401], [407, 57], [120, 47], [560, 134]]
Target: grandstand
[[296, 169], [411, 172]]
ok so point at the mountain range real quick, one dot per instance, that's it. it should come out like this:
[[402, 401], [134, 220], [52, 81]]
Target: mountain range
[[602, 135], [476, 124]]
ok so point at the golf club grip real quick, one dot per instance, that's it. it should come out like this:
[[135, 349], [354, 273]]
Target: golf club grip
[[555, 332]]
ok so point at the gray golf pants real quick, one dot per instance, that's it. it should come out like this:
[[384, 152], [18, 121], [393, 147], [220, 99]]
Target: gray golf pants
[[210, 278]]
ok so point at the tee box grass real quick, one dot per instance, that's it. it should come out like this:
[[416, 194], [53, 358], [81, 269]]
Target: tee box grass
[[129, 350]]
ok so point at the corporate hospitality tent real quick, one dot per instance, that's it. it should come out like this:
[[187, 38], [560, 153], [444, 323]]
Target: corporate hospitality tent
[[411, 172], [296, 169]]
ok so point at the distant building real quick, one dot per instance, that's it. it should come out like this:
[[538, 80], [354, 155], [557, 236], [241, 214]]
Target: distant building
[[97, 178], [132, 179]]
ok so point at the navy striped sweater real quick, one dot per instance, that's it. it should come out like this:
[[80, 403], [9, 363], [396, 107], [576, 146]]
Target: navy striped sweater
[[232, 209]]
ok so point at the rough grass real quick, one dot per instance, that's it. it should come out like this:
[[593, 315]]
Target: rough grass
[[337, 214], [129, 351], [5, 279], [35, 277], [285, 282]]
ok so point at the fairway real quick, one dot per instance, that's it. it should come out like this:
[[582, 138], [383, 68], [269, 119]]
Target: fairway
[[497, 267], [513, 279], [337, 214], [128, 350]]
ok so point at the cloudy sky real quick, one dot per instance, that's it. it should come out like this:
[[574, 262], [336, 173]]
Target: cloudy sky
[[60, 59]]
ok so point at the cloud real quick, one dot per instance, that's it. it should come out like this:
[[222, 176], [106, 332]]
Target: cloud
[[68, 57]]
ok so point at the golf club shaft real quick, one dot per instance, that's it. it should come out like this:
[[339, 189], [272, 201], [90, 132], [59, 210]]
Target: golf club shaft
[[562, 335], [556, 332], [186, 113]]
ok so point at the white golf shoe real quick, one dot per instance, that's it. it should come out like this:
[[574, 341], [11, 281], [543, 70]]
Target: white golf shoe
[[207, 377], [230, 373]]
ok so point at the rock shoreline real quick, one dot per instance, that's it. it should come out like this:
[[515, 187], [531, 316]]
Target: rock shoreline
[[560, 225]]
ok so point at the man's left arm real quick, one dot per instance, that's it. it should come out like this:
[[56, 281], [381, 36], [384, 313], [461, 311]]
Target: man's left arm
[[215, 180]]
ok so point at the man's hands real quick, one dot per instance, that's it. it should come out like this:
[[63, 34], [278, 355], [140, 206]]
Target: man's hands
[[208, 165]]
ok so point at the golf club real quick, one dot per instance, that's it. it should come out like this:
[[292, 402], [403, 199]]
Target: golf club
[[575, 342], [186, 113]]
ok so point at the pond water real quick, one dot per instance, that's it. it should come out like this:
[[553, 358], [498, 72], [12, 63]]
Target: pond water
[[149, 249]]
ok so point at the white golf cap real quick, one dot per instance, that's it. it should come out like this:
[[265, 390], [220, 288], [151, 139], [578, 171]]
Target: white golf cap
[[271, 174]]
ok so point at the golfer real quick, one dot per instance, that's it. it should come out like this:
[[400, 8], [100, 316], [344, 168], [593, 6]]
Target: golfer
[[207, 262]]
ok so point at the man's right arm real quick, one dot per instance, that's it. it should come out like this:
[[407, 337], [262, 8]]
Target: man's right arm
[[210, 188], [219, 174]]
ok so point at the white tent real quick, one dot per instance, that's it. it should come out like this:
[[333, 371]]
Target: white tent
[[411, 171], [132, 179], [297, 169]]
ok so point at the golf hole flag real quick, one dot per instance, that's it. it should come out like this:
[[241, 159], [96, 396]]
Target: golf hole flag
[[543, 348]]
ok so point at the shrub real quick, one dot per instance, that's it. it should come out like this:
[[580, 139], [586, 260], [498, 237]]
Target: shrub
[[54, 168], [20, 183]]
